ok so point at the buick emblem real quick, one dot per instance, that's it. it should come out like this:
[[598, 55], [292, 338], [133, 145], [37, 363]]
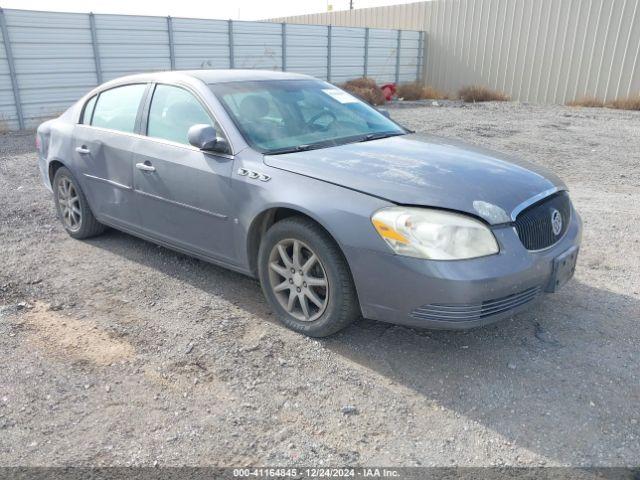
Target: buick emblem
[[556, 222]]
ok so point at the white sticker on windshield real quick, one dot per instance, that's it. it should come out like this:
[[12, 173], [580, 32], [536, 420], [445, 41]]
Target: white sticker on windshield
[[339, 95]]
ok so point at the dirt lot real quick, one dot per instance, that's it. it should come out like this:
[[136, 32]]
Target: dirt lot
[[119, 352]]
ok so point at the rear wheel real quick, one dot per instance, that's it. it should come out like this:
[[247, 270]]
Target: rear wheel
[[73, 209], [305, 278]]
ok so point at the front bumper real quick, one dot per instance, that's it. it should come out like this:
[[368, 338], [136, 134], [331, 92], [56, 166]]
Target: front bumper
[[456, 294]]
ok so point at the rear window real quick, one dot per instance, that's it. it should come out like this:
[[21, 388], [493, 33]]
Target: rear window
[[117, 108]]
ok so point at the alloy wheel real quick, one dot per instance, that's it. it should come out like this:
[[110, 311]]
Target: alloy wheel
[[298, 280], [69, 202]]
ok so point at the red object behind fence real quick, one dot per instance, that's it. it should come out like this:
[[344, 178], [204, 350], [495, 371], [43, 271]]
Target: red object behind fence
[[389, 90]]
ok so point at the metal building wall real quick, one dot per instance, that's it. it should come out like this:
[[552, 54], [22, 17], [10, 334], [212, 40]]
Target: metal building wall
[[7, 108], [58, 57], [545, 51]]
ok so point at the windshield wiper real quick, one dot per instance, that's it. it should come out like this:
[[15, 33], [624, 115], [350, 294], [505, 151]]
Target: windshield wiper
[[379, 135], [298, 148], [333, 143]]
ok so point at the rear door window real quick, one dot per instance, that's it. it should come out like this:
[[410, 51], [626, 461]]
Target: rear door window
[[117, 108]]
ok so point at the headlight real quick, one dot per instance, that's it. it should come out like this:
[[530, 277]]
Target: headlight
[[433, 234]]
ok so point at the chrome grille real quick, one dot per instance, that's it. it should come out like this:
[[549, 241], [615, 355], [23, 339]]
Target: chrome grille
[[469, 312], [534, 224]]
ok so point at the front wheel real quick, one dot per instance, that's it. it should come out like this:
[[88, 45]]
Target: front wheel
[[306, 279], [73, 209]]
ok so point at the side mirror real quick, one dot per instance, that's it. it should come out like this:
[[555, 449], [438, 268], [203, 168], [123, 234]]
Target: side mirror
[[204, 137], [384, 112]]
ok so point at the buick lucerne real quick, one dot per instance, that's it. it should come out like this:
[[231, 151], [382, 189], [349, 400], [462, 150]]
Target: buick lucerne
[[339, 211]]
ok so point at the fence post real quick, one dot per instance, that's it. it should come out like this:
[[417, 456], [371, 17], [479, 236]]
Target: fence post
[[96, 50], [329, 53], [284, 47], [12, 69], [398, 57], [366, 51], [420, 55], [172, 52], [231, 59]]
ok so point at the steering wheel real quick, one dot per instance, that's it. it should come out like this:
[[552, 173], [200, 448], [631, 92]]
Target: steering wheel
[[320, 114]]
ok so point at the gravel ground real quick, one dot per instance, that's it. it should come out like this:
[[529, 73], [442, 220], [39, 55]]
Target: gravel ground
[[119, 352]]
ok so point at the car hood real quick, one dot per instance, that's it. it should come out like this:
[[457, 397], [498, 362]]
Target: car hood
[[426, 170]]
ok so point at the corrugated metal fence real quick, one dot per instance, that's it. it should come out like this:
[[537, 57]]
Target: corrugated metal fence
[[55, 58], [545, 51]]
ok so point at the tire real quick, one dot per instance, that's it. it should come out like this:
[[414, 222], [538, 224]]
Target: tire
[[338, 298], [79, 221]]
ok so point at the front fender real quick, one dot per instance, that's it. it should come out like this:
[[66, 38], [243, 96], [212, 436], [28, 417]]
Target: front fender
[[345, 214]]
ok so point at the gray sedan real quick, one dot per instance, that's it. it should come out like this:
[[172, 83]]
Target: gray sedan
[[339, 211]]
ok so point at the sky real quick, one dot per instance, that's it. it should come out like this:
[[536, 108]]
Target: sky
[[222, 9]]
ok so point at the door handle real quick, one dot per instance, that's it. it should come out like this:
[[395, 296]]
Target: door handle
[[83, 150], [145, 167]]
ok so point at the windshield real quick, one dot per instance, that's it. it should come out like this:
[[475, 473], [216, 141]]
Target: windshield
[[280, 116]]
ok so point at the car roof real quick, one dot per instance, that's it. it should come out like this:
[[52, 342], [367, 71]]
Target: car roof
[[208, 76], [220, 76]]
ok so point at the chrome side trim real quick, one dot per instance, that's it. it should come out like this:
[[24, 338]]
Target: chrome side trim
[[110, 182], [527, 203], [184, 205], [263, 177]]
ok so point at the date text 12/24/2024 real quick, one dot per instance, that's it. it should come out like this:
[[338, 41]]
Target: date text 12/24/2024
[[315, 473]]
